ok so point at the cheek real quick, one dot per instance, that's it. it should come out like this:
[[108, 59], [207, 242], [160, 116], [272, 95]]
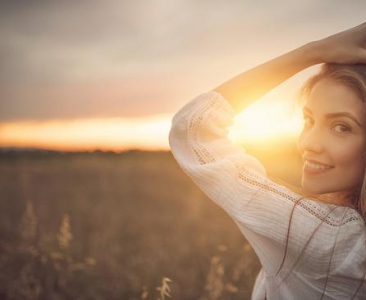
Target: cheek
[[352, 159]]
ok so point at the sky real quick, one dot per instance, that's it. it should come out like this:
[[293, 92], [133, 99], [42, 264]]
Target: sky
[[81, 75]]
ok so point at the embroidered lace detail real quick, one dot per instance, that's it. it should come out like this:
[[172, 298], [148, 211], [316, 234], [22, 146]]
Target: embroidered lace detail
[[313, 208], [202, 154]]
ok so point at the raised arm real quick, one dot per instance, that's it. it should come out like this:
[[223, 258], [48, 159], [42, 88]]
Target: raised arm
[[345, 47]]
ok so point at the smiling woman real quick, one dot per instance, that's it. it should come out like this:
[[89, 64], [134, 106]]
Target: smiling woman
[[311, 243]]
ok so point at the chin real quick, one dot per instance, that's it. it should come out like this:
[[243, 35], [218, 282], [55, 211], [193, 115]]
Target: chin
[[313, 189]]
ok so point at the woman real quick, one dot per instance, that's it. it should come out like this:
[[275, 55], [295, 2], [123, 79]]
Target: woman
[[311, 245]]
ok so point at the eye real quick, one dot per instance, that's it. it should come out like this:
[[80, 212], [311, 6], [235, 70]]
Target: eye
[[342, 128]]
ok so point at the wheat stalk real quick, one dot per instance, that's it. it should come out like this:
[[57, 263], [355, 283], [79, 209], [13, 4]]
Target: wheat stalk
[[164, 289], [64, 236]]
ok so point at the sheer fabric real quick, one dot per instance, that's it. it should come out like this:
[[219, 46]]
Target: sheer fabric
[[308, 249]]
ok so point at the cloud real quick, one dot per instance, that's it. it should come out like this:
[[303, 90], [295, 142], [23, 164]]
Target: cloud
[[59, 58], [44, 40]]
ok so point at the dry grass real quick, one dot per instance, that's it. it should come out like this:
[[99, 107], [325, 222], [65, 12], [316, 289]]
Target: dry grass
[[104, 226]]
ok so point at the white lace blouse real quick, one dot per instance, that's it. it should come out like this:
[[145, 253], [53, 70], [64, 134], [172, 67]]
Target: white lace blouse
[[308, 250]]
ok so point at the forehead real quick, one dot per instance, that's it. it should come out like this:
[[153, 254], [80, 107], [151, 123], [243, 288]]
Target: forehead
[[329, 96]]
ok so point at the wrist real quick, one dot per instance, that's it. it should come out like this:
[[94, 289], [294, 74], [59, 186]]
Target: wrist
[[312, 54]]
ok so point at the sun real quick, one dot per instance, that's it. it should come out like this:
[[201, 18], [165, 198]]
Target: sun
[[266, 121]]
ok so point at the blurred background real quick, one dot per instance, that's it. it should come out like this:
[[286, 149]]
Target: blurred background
[[93, 206]]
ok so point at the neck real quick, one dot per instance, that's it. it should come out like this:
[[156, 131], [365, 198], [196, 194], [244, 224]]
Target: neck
[[338, 198]]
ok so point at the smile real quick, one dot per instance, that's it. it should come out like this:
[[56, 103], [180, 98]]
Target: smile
[[316, 165], [312, 168]]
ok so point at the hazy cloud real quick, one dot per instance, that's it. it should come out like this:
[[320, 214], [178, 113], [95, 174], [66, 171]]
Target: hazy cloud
[[47, 44]]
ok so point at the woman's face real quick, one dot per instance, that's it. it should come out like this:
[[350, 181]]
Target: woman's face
[[332, 142]]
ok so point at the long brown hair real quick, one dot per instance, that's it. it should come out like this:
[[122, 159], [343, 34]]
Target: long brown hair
[[354, 77]]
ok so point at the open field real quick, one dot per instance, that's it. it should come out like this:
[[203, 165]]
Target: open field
[[111, 226]]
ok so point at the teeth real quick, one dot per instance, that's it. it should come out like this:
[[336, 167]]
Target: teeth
[[316, 166]]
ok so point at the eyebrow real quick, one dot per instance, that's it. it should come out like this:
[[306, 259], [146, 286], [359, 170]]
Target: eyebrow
[[336, 115]]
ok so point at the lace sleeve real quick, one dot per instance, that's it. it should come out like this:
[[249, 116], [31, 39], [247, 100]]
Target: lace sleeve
[[237, 182]]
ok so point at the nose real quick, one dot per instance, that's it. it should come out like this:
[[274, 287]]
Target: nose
[[311, 140]]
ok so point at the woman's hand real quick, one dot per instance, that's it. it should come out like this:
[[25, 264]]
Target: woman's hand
[[346, 47]]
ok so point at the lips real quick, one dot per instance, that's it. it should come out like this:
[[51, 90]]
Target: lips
[[315, 167]]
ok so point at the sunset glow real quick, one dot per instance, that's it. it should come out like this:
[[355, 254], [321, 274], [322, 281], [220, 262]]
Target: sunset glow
[[89, 134], [111, 85], [260, 122]]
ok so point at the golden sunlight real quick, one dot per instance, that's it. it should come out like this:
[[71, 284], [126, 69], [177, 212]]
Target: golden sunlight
[[266, 121]]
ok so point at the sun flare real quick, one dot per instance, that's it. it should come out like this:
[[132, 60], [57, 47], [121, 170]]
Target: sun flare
[[266, 121]]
